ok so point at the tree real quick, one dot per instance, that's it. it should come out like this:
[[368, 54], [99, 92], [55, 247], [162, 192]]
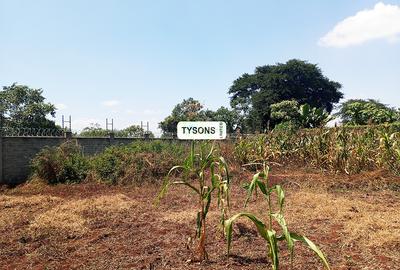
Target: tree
[[188, 110], [287, 110], [191, 110], [133, 131], [95, 130], [364, 112], [24, 107], [253, 94], [230, 117]]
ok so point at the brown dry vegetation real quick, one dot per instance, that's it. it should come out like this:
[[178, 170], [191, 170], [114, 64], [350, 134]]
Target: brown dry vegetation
[[354, 219]]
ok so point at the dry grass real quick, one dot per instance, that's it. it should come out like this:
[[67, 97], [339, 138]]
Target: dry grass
[[71, 219], [17, 208], [94, 226], [365, 222]]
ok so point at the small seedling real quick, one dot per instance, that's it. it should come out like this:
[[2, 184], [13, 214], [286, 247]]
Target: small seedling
[[260, 181]]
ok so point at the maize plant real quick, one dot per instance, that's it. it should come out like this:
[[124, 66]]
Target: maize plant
[[390, 151], [204, 173], [260, 181], [343, 149]]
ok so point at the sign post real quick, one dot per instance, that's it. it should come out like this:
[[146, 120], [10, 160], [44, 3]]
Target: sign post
[[201, 130]]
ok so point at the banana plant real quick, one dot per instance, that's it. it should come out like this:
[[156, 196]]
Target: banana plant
[[310, 117], [260, 181], [204, 173]]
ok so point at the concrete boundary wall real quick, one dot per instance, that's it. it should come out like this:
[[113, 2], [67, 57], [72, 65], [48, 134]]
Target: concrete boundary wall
[[16, 153]]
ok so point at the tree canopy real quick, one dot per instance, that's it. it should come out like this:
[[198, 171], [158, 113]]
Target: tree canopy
[[192, 110], [95, 130], [364, 112], [253, 94], [24, 107]]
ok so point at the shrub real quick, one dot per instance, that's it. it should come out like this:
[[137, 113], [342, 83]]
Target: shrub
[[61, 164], [137, 162]]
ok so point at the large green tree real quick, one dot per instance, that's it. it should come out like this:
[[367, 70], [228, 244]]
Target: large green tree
[[24, 107], [363, 112], [253, 94]]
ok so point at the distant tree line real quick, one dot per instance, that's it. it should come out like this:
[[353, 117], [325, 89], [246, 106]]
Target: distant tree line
[[295, 94], [95, 130]]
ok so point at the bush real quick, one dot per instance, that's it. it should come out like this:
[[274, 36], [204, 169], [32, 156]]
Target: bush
[[62, 164], [137, 162]]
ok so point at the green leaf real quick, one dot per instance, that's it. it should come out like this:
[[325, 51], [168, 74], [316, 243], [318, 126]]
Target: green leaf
[[273, 248], [163, 191], [208, 202], [263, 188], [282, 222], [259, 225], [251, 187], [312, 246], [281, 196], [186, 184]]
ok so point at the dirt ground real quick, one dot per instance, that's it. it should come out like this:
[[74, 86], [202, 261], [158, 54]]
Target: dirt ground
[[355, 220]]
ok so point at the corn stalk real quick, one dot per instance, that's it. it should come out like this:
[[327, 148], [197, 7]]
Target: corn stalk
[[204, 173]]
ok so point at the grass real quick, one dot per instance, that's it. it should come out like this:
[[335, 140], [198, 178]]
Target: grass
[[366, 222]]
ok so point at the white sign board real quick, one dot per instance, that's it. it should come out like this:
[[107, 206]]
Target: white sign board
[[201, 130]]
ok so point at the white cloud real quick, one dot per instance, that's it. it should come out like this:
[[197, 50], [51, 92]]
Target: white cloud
[[61, 106], [381, 22], [111, 103]]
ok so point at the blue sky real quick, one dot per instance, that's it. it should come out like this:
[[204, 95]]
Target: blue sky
[[134, 60]]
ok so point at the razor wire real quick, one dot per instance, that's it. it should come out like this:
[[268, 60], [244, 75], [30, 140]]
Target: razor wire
[[31, 132]]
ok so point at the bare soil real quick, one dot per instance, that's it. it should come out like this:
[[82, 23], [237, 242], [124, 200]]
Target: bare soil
[[355, 220]]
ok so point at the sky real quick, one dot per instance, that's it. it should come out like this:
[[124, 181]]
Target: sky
[[134, 61]]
